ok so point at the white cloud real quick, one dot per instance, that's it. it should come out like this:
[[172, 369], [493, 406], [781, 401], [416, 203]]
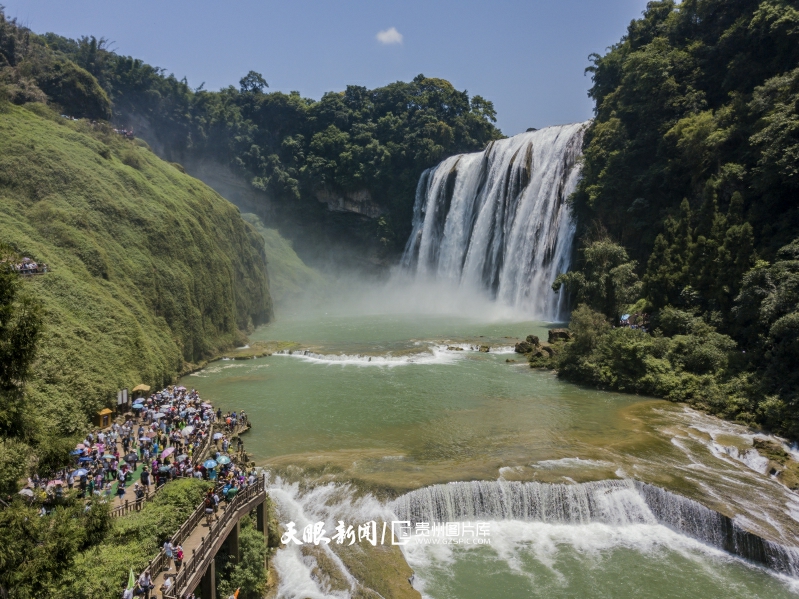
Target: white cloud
[[389, 36]]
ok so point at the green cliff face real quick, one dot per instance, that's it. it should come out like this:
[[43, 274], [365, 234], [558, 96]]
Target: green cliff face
[[151, 271]]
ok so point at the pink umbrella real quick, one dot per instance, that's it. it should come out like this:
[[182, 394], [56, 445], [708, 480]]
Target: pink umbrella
[[167, 452], [80, 446]]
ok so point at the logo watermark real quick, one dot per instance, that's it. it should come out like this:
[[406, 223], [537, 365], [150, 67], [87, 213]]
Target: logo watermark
[[397, 532]]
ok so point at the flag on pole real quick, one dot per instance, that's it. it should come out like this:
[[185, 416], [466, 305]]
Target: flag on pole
[[236, 594], [131, 581]]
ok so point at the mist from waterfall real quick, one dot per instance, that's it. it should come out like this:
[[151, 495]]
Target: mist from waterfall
[[497, 222]]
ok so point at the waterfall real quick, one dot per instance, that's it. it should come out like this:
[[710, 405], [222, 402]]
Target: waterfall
[[498, 220], [613, 502]]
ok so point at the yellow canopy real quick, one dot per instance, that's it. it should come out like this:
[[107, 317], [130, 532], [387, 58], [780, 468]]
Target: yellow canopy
[[104, 411], [141, 387]]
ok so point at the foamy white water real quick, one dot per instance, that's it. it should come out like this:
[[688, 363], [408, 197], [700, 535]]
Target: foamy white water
[[498, 221]]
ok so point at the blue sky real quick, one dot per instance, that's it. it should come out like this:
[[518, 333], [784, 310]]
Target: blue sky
[[528, 57]]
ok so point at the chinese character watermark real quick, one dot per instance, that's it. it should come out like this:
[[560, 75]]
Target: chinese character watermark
[[398, 532]]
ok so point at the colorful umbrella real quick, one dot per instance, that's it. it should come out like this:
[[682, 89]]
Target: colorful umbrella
[[223, 460], [210, 463], [80, 472], [167, 452]]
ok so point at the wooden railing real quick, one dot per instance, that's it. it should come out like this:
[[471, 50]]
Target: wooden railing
[[201, 553], [159, 561]]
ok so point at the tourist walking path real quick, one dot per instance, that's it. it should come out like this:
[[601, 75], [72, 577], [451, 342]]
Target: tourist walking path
[[201, 540]]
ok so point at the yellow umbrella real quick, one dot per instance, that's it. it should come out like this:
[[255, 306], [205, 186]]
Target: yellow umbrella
[[141, 387]]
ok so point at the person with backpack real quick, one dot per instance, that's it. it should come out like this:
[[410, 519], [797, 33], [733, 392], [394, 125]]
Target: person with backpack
[[209, 509]]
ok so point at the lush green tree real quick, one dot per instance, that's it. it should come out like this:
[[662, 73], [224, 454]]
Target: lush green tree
[[20, 327], [253, 82], [697, 100], [606, 280], [767, 314], [249, 574]]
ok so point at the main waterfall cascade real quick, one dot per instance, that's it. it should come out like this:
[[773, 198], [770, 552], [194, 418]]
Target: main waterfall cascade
[[499, 221]]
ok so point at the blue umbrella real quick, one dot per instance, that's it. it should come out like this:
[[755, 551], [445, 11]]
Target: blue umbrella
[[210, 463], [76, 452], [85, 459], [137, 406], [224, 460], [80, 472]]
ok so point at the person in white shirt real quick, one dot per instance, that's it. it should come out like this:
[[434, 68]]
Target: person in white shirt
[[146, 583]]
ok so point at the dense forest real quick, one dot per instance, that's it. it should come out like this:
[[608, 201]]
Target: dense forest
[[688, 212], [358, 151]]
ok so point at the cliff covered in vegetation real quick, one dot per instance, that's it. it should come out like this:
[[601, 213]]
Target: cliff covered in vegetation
[[150, 270], [687, 212]]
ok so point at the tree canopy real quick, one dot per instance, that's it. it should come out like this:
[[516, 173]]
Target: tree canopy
[[291, 151]]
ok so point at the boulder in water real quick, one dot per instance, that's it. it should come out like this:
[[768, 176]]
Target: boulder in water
[[533, 340], [559, 335], [484, 348], [523, 347]]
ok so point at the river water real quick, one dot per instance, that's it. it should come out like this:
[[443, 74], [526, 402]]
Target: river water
[[370, 409]]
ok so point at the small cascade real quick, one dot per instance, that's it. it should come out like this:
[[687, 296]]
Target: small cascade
[[612, 502], [498, 220]]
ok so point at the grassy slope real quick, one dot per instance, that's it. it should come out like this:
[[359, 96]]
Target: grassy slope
[[289, 277], [151, 269]]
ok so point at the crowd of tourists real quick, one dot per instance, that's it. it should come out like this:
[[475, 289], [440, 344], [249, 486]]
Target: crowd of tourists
[[231, 479], [123, 131], [28, 266], [166, 435], [635, 321]]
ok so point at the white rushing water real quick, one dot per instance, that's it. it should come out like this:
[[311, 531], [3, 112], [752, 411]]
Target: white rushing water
[[498, 221], [550, 533], [611, 502]]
